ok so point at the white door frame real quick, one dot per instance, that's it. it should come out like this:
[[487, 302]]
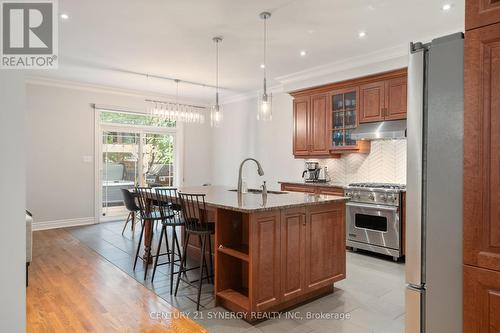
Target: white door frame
[[141, 130]]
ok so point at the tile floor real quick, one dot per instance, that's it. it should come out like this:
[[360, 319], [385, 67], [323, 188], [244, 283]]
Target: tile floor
[[372, 294]]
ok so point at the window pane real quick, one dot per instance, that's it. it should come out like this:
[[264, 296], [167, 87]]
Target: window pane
[[338, 119], [134, 119], [120, 152], [348, 140], [350, 100], [158, 159], [338, 103], [338, 138]]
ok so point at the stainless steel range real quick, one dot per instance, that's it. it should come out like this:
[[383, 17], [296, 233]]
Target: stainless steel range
[[373, 217]]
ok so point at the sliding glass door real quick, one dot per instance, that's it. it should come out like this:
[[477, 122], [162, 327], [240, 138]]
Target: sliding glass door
[[120, 168], [132, 154]]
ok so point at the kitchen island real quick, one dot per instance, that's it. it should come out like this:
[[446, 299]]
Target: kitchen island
[[274, 252]]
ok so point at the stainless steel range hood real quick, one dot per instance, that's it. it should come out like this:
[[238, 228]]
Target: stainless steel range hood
[[394, 129]]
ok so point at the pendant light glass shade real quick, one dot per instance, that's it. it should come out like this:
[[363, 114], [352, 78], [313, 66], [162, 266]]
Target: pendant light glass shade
[[265, 107], [216, 114], [216, 109], [265, 101]]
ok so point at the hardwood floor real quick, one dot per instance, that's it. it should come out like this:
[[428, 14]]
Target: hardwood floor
[[73, 289]]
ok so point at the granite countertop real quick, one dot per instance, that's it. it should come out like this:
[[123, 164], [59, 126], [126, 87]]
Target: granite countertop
[[326, 184], [221, 197]]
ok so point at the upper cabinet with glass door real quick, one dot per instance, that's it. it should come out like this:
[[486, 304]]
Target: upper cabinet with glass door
[[344, 118]]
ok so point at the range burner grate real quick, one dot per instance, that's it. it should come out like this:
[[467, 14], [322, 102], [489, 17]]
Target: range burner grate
[[379, 185]]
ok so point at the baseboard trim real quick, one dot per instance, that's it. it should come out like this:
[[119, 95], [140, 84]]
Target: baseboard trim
[[46, 225]]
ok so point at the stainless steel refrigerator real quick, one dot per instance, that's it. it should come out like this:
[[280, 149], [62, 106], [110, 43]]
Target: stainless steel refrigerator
[[434, 186]]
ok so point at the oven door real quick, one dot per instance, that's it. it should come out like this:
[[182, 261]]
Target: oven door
[[373, 224]]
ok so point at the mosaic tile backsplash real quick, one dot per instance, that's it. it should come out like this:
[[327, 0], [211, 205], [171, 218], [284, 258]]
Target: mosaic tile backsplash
[[385, 163]]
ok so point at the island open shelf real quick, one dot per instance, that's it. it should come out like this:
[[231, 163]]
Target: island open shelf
[[232, 259], [232, 282], [232, 233]]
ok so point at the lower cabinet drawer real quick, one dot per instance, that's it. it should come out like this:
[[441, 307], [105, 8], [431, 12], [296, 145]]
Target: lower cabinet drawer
[[332, 191], [298, 188], [481, 300], [326, 190]]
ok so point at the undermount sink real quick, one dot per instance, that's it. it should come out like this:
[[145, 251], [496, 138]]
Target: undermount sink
[[259, 191]]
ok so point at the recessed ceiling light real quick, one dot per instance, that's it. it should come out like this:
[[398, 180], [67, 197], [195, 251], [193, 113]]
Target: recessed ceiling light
[[446, 7], [64, 16], [362, 34], [303, 53], [262, 66]]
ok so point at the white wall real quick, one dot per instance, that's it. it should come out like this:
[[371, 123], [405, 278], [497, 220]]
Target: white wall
[[241, 136], [232, 142], [12, 202], [197, 154], [60, 133]]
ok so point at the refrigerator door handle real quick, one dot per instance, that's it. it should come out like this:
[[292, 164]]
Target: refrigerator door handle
[[416, 73], [414, 303]]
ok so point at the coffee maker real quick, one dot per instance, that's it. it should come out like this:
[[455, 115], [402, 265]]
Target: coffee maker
[[311, 172]]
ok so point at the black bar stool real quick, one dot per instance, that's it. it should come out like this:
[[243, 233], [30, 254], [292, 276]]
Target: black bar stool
[[146, 197], [133, 209], [170, 211], [196, 224]]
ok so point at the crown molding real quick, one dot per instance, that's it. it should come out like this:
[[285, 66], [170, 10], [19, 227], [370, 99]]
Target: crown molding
[[91, 87]]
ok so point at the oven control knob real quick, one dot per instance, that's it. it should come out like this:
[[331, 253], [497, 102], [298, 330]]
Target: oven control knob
[[371, 196], [349, 194], [383, 197], [392, 198], [356, 196]]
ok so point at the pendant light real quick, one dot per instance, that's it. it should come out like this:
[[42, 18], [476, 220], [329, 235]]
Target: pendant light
[[216, 110], [264, 111]]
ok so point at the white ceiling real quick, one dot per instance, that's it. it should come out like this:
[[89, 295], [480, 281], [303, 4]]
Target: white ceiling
[[173, 38]]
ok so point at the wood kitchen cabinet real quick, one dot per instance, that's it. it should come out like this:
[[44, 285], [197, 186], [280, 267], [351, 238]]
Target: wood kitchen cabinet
[[305, 233], [396, 98], [481, 165], [301, 136], [372, 96], [383, 100], [298, 188], [344, 115], [319, 125], [322, 226], [293, 253], [265, 237], [479, 13], [313, 188], [325, 116], [311, 129], [482, 147], [482, 300]]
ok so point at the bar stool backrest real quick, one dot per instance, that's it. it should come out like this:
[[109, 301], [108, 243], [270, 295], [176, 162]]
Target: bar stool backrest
[[145, 195], [168, 203], [194, 211], [129, 201]]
